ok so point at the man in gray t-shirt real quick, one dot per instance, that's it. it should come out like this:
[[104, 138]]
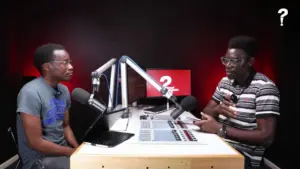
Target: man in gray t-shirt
[[45, 138]]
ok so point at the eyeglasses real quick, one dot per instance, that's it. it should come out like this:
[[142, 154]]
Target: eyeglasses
[[233, 62], [64, 62]]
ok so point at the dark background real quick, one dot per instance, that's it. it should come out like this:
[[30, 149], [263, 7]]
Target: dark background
[[177, 34]]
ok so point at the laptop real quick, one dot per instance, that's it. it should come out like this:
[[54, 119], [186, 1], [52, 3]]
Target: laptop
[[99, 132]]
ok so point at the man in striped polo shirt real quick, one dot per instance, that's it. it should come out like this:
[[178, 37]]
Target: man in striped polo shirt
[[245, 105]]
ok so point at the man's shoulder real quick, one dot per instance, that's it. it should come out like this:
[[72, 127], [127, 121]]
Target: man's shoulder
[[262, 81], [33, 85], [225, 80], [63, 88]]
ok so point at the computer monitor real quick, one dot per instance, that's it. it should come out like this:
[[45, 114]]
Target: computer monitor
[[103, 122], [177, 81], [136, 86]]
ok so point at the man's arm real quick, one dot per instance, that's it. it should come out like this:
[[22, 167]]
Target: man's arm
[[211, 108], [33, 133], [68, 131], [267, 109], [214, 109], [262, 135]]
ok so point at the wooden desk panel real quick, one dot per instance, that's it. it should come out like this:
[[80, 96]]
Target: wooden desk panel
[[118, 162]]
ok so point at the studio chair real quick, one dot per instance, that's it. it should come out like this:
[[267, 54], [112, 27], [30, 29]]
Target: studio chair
[[11, 133]]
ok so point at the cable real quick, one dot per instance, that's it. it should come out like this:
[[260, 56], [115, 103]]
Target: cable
[[117, 89], [108, 86], [129, 116]]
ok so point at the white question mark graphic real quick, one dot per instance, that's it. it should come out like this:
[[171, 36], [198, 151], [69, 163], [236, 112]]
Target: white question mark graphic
[[168, 80], [283, 12]]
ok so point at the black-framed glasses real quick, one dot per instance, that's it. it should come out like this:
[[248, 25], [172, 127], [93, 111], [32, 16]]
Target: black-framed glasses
[[64, 62], [232, 62]]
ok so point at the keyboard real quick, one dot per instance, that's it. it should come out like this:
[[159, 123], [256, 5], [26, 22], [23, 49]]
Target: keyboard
[[157, 109], [156, 117]]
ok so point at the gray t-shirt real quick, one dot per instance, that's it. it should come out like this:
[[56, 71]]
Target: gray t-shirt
[[40, 99]]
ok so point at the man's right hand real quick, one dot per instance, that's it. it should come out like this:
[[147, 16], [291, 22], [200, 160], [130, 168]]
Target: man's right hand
[[71, 151], [227, 109]]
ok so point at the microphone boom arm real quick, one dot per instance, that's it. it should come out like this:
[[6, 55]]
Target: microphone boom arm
[[162, 89]]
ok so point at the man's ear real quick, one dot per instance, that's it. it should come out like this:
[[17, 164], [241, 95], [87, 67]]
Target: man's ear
[[46, 66], [251, 61]]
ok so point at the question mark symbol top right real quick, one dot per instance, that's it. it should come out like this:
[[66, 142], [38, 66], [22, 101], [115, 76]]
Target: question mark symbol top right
[[283, 12]]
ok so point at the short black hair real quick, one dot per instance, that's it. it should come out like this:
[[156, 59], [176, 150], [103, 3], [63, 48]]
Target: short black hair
[[246, 43], [44, 54]]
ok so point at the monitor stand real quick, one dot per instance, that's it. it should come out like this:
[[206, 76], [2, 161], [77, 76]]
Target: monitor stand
[[159, 109], [168, 104], [125, 114]]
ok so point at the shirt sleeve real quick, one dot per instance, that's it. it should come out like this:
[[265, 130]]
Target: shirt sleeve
[[28, 101], [217, 96], [267, 101]]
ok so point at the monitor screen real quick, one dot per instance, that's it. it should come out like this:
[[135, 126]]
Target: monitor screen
[[177, 81]]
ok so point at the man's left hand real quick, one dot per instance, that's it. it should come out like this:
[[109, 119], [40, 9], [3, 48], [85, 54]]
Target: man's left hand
[[208, 124]]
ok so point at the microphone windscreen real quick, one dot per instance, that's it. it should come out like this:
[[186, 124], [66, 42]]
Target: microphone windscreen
[[189, 103], [80, 95]]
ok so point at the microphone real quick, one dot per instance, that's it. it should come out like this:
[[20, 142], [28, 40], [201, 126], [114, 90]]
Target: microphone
[[84, 97], [229, 97], [189, 103], [57, 94]]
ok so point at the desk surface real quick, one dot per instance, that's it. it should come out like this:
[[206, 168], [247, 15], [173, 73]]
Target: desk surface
[[209, 146]]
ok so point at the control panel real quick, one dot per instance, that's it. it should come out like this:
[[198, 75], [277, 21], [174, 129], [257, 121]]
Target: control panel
[[160, 129]]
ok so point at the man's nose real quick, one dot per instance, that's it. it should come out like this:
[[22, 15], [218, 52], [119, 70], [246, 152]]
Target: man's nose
[[70, 66]]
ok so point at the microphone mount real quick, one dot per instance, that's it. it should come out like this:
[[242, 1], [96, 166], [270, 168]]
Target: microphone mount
[[96, 75], [96, 104]]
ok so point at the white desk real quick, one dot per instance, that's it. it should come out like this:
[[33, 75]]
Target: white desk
[[211, 152]]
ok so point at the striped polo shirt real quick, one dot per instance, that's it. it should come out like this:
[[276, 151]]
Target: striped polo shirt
[[259, 97]]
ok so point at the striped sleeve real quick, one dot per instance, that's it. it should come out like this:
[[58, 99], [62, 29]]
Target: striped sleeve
[[267, 101], [217, 96]]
